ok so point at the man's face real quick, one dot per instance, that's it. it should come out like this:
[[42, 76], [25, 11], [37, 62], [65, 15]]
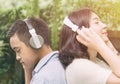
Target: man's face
[[24, 54]]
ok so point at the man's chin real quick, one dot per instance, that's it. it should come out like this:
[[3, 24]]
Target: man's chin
[[23, 65]]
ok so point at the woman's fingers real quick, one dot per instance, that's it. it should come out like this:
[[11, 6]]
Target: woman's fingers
[[89, 38], [82, 37]]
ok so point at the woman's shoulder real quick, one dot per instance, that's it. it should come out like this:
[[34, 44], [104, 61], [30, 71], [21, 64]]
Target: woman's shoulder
[[82, 69], [83, 65], [78, 62]]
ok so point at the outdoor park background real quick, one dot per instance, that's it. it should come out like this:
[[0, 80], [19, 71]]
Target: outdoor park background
[[53, 12]]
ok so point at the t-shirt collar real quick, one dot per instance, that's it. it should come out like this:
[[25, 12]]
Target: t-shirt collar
[[45, 60]]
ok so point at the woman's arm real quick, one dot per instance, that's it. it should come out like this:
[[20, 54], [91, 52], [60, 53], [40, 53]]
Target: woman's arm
[[110, 45], [91, 39]]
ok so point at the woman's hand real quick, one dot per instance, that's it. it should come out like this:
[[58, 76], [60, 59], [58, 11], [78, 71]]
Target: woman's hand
[[90, 38]]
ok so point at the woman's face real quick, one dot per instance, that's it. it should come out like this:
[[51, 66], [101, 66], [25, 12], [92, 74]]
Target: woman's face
[[98, 26]]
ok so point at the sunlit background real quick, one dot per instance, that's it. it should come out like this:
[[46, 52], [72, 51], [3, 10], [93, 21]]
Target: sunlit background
[[53, 12]]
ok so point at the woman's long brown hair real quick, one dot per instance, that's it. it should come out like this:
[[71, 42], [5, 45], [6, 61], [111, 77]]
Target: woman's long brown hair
[[69, 47]]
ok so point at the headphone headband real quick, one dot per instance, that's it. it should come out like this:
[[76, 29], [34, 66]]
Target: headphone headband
[[70, 24], [28, 24]]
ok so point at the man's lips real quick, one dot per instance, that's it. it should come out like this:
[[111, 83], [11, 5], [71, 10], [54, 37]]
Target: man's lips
[[21, 62]]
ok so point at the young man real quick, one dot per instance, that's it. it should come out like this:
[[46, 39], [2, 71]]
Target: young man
[[30, 39]]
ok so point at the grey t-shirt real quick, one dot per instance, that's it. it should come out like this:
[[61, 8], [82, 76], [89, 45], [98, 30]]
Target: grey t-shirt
[[49, 70]]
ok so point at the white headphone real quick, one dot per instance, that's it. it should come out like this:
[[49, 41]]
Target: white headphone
[[36, 41], [70, 24]]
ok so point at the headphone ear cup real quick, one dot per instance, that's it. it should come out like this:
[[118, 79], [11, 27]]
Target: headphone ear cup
[[32, 44]]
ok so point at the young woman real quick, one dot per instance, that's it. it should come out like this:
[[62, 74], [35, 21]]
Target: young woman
[[82, 36]]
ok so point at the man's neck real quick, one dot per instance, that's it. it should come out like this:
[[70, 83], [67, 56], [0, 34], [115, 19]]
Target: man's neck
[[44, 51]]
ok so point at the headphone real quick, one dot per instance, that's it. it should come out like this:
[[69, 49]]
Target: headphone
[[70, 24], [36, 41]]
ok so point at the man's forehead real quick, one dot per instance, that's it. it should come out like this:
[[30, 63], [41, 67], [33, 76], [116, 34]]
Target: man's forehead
[[14, 41]]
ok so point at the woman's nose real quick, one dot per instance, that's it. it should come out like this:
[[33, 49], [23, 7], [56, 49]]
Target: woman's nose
[[104, 25]]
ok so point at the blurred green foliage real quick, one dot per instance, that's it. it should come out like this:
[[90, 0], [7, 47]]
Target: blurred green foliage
[[53, 12]]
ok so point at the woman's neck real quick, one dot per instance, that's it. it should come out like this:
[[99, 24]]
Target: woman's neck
[[92, 54]]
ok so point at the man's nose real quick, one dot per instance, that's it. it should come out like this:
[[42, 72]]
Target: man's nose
[[18, 57]]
